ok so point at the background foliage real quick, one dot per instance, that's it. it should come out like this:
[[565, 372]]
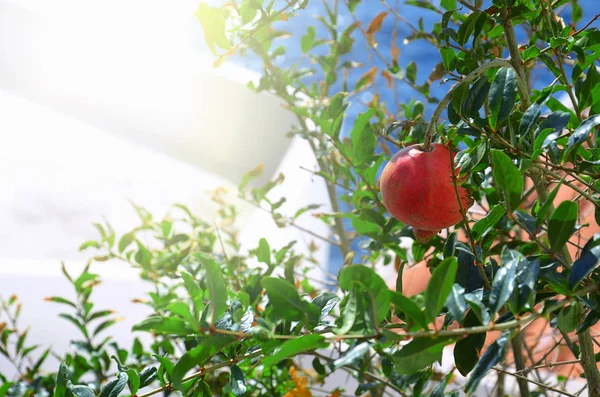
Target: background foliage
[[254, 323]]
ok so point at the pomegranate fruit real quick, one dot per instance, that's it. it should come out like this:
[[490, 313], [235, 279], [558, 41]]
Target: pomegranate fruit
[[417, 190]]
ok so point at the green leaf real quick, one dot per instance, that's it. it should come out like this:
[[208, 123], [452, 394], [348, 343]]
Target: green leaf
[[448, 4], [207, 347], [466, 351], [352, 4], [459, 96], [530, 118], [508, 179], [125, 241], [491, 357], [81, 391], [205, 390], [58, 299], [484, 225], [263, 253], [363, 138], [543, 211], [581, 134], [562, 224], [439, 287], [236, 381], [115, 386], [148, 375], [183, 310], [287, 303], [530, 53], [62, 377], [419, 345], [466, 29], [166, 366], [523, 297], [448, 54], [502, 95], [349, 312], [411, 72], [217, 288], [191, 285], [468, 159], [90, 244], [325, 302], [504, 279], [411, 365], [5, 387], [476, 97], [409, 308], [351, 355], [587, 262], [456, 303], [214, 27], [164, 326], [370, 284], [568, 318], [294, 347], [308, 40], [40, 361], [250, 175]]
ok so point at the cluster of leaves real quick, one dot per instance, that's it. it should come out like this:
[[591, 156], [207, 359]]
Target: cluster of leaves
[[230, 321]]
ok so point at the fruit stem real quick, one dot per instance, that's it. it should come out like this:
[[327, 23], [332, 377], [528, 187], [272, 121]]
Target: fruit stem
[[468, 79]]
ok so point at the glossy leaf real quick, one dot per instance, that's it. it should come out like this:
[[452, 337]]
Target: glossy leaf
[[237, 381], [502, 95], [523, 297], [491, 357], [349, 312], [325, 302], [115, 386], [545, 208], [589, 260], [81, 391], [466, 351], [62, 377], [207, 347], [419, 345], [468, 159], [164, 325], [409, 308], [412, 364], [439, 287], [562, 224], [508, 178], [530, 118], [217, 288], [352, 355], [147, 376], [363, 138], [370, 284], [476, 97], [456, 303], [487, 223], [287, 303], [581, 134], [504, 280], [294, 347], [568, 317]]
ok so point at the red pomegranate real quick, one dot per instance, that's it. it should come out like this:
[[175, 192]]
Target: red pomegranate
[[417, 190]]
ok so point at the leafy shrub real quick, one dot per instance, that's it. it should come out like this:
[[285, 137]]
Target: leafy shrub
[[226, 321]]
